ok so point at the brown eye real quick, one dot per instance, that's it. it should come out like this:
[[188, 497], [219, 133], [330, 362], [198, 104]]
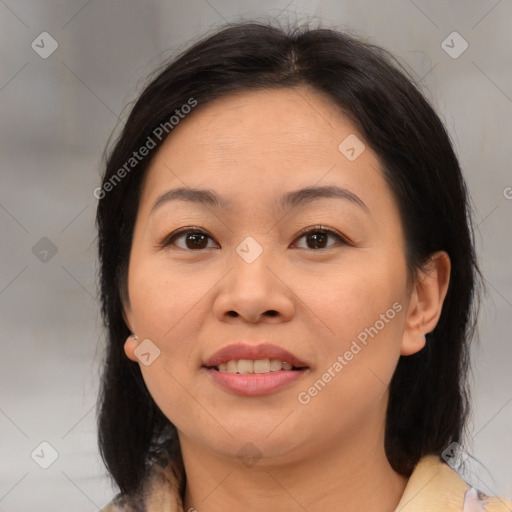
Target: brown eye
[[197, 239], [188, 239], [317, 238]]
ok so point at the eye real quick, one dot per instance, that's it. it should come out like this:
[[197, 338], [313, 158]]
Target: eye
[[193, 239], [317, 236]]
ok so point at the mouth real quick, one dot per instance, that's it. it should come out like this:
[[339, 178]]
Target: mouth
[[258, 366], [254, 370]]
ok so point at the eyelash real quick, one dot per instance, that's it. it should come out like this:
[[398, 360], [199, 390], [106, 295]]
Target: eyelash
[[169, 239]]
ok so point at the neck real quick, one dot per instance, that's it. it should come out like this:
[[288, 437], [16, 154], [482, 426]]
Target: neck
[[345, 476]]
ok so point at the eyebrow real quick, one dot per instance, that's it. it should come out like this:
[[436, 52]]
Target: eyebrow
[[289, 200]]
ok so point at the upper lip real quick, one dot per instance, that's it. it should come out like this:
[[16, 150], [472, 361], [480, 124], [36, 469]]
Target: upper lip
[[254, 352]]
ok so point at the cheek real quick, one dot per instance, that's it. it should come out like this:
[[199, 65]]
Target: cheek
[[173, 394], [358, 297], [361, 307], [351, 382], [167, 309], [162, 297]]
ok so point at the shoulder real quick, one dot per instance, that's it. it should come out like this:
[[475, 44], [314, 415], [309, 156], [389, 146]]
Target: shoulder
[[435, 486], [123, 503], [161, 490]]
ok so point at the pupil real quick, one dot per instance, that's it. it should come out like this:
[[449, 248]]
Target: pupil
[[317, 239], [196, 240]]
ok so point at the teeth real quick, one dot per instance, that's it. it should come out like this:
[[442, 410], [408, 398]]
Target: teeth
[[275, 365], [258, 366], [245, 366], [261, 366], [232, 366]]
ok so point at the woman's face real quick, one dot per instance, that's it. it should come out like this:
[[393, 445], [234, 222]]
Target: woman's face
[[264, 272]]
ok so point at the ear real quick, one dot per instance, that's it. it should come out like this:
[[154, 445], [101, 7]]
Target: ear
[[128, 315], [126, 306], [129, 348], [426, 302], [131, 343]]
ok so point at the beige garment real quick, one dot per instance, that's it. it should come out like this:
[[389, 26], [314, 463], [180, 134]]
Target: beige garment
[[432, 487]]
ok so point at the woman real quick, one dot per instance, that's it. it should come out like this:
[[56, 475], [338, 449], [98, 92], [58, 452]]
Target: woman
[[288, 282]]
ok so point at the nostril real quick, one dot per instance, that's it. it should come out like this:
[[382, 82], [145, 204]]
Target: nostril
[[270, 312]]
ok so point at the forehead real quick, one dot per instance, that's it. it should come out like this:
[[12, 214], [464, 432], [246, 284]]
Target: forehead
[[261, 143], [282, 119]]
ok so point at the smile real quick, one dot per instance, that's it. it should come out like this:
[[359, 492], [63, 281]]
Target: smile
[[258, 366], [253, 370]]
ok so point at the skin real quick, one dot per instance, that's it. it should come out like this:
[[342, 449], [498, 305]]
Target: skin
[[328, 454]]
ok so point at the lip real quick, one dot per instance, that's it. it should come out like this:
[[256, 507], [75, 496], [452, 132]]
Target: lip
[[256, 384], [243, 351]]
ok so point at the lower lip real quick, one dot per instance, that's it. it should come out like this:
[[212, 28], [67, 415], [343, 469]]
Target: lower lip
[[254, 384]]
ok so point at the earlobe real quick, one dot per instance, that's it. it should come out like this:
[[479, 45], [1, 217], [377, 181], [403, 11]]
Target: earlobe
[[412, 342], [426, 302], [130, 345]]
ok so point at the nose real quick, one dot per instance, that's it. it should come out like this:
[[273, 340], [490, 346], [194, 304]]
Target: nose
[[254, 292]]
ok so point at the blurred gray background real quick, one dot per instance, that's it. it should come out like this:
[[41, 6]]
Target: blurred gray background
[[57, 112]]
